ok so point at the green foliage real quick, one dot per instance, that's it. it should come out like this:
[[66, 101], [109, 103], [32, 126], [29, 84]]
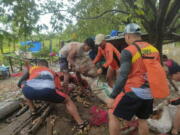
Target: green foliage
[[60, 16], [43, 53], [20, 16], [25, 48], [90, 27], [158, 18], [1, 59], [25, 17]]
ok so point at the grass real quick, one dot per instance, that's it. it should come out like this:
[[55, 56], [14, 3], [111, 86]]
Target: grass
[[177, 44]]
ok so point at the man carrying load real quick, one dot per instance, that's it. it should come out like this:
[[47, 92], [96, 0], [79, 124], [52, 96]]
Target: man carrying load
[[41, 83], [111, 55], [141, 79]]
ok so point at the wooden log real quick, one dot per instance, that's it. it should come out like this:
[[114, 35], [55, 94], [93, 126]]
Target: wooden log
[[19, 113], [14, 127], [21, 122], [23, 110], [50, 124], [7, 108], [26, 122], [40, 121]]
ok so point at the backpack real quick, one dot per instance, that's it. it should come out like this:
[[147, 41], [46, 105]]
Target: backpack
[[156, 75]]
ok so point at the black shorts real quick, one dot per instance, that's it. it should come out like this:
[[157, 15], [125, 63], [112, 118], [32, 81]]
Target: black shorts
[[45, 94], [127, 106], [63, 64]]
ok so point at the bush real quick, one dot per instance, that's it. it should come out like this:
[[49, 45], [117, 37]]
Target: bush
[[25, 48], [42, 53]]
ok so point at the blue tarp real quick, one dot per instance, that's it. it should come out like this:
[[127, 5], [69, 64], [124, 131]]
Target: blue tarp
[[4, 68], [114, 33], [36, 45]]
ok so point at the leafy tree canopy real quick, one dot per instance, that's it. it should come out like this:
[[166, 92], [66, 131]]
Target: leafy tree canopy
[[84, 18]]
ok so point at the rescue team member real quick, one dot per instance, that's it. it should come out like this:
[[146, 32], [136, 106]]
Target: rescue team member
[[67, 55], [173, 68], [174, 72], [111, 55], [41, 84], [89, 46], [131, 94]]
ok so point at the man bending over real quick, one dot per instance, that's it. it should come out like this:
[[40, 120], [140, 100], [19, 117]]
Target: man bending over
[[41, 83]]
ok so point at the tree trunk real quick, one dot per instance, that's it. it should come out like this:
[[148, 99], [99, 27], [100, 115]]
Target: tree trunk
[[9, 45], [159, 43], [1, 46], [11, 64], [50, 45], [43, 44], [14, 45]]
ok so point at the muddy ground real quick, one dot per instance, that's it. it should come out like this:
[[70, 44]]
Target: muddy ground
[[9, 89], [64, 123]]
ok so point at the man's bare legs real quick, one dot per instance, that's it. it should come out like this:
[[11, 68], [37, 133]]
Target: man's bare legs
[[31, 105], [143, 127], [72, 109], [114, 124], [176, 122], [66, 77], [110, 76]]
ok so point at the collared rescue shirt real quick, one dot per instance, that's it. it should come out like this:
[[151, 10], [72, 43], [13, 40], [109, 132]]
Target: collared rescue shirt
[[133, 73], [40, 78], [111, 54]]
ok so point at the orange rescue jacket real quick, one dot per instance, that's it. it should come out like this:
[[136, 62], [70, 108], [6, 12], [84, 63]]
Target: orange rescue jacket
[[111, 54], [146, 67], [35, 71]]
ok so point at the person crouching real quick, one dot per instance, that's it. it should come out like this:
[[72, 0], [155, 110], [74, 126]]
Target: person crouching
[[41, 83]]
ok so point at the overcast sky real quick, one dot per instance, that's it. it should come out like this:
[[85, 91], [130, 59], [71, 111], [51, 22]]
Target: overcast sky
[[45, 19]]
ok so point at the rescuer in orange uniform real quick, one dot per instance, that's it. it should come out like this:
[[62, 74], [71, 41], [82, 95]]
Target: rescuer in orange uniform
[[131, 94], [111, 55]]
